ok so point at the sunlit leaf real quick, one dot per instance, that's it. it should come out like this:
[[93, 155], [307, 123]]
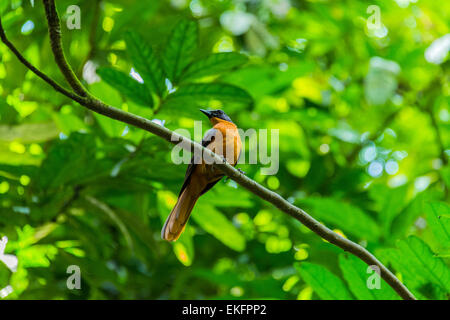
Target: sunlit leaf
[[266, 80], [29, 132], [37, 256], [225, 196], [215, 223], [184, 247]]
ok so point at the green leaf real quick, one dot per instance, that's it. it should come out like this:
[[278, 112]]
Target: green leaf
[[445, 173], [207, 91], [225, 196], [138, 227], [214, 64], [184, 106], [8, 114], [146, 62], [345, 216], [438, 218], [29, 132], [215, 223], [16, 159], [37, 256], [418, 265], [180, 49], [264, 80], [390, 201], [69, 161], [355, 273], [229, 279], [4, 275], [325, 283], [109, 95], [416, 207], [68, 122], [113, 218], [3, 6], [146, 11], [126, 85], [184, 247]]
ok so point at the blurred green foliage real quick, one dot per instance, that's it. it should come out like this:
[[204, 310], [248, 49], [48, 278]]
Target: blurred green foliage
[[363, 114]]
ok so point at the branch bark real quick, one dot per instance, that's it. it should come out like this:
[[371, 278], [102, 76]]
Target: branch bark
[[260, 191], [54, 31]]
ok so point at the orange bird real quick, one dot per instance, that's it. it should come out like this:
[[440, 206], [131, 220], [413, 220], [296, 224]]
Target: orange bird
[[223, 138]]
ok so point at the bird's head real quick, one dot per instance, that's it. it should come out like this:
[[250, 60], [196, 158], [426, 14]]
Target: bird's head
[[216, 116]]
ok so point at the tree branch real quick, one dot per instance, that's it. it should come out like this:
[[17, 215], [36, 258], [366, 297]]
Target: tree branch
[[54, 31], [249, 184]]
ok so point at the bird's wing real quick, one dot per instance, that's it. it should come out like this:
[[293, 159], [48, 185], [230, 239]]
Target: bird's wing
[[207, 139]]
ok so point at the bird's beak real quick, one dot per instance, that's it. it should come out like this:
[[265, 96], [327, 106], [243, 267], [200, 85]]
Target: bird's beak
[[206, 112]]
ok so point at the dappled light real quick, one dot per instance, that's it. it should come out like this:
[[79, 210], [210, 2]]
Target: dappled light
[[337, 113]]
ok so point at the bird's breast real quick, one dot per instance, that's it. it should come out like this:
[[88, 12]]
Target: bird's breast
[[228, 144]]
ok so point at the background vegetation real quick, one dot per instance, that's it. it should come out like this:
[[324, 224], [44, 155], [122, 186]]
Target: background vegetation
[[364, 126]]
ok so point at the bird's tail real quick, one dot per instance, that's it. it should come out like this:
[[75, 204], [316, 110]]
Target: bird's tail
[[179, 215]]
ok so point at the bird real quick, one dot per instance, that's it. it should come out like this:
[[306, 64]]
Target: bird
[[223, 138]]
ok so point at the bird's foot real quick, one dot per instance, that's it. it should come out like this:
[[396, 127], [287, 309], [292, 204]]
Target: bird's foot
[[243, 172]]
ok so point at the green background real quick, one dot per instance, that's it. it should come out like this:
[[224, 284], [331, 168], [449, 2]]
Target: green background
[[364, 127]]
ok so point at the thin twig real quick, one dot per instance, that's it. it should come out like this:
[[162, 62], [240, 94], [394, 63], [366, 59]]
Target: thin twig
[[249, 184]]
